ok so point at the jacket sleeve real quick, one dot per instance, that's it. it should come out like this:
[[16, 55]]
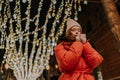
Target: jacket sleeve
[[92, 57], [67, 59]]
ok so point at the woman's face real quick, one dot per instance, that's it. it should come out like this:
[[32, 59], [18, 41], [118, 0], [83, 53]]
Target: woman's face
[[73, 32]]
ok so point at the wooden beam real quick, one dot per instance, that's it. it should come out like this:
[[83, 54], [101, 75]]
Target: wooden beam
[[113, 19], [92, 1]]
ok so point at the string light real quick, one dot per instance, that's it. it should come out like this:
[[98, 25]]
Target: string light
[[28, 64]]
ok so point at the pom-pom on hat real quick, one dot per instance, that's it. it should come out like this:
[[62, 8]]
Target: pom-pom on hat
[[71, 23]]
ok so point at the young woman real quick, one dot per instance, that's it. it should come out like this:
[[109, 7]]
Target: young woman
[[75, 56]]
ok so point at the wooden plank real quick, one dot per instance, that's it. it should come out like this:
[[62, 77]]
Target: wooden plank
[[113, 19]]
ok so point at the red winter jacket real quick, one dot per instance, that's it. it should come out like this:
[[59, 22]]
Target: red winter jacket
[[77, 61]]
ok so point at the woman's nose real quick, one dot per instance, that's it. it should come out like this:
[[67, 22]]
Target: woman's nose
[[76, 32]]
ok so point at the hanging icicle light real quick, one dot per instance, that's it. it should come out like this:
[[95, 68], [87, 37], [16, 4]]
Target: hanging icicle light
[[85, 2], [24, 1], [11, 0], [77, 7]]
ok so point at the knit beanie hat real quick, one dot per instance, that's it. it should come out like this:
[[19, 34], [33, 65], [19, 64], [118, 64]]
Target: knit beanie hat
[[71, 23]]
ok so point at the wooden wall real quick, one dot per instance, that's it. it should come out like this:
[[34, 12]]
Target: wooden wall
[[96, 26]]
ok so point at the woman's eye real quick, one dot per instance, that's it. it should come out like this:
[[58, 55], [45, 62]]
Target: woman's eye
[[72, 29], [79, 30]]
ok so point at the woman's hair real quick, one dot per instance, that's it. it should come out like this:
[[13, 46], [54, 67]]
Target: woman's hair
[[61, 38]]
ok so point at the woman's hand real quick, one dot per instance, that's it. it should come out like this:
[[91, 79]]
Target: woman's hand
[[77, 38], [81, 37]]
